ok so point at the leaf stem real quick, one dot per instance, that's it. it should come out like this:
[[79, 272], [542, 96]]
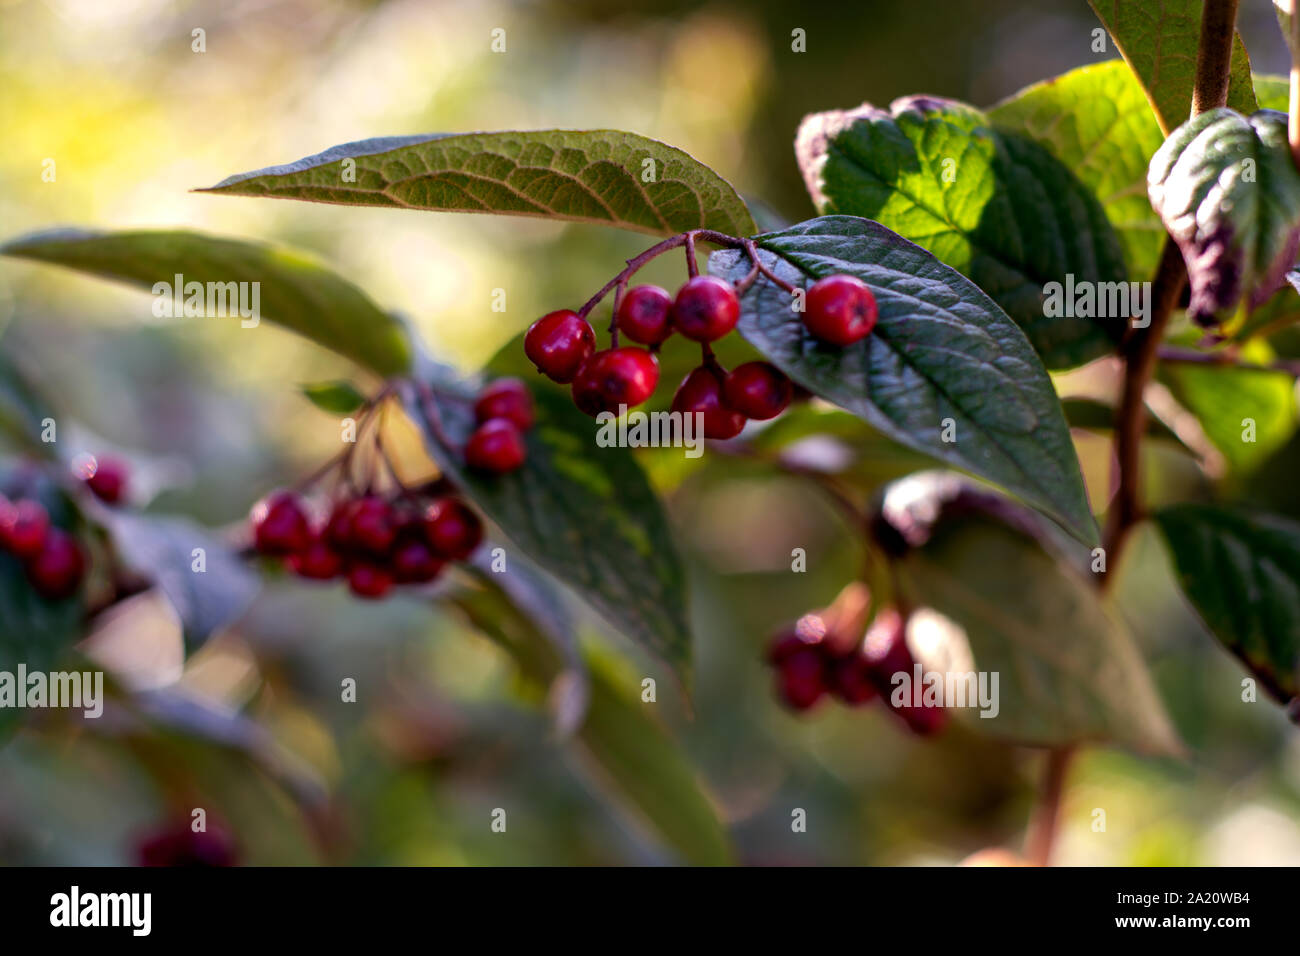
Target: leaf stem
[[1041, 838], [1214, 55], [1225, 358]]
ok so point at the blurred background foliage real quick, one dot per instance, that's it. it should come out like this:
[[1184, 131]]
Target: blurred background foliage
[[443, 731]]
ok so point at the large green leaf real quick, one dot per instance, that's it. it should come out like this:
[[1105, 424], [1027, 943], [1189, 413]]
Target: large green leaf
[[584, 513], [1097, 121], [1159, 42], [1242, 574], [602, 176], [294, 290], [1227, 190], [942, 350], [996, 206], [1067, 670], [1247, 414], [622, 748]]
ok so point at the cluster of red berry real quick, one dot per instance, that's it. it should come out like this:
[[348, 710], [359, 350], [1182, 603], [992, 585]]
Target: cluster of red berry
[[504, 411], [811, 663], [52, 558], [374, 542], [839, 310]]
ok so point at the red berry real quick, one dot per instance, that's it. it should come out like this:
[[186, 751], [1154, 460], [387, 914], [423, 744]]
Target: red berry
[[415, 563], [506, 398], [786, 644], [758, 390], [318, 561], [644, 315], [338, 531], [24, 525], [801, 678], [108, 480], [369, 581], [496, 447], [374, 527], [887, 654], [706, 309], [701, 392], [56, 571], [558, 343], [452, 530], [839, 309], [279, 525], [177, 844], [851, 679], [614, 377]]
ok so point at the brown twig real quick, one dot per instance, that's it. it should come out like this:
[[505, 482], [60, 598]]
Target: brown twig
[[1041, 838]]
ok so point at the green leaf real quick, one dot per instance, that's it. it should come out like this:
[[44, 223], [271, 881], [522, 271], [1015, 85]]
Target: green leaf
[[941, 350], [162, 549], [1247, 414], [23, 409], [602, 176], [623, 750], [1274, 92], [336, 398], [1159, 42], [293, 289], [996, 206], [1068, 671], [584, 513], [1098, 416], [1097, 121], [1227, 190], [1242, 574]]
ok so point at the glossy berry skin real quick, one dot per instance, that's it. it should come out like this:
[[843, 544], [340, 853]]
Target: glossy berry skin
[[614, 377], [451, 529], [24, 527], [56, 571], [506, 398], [758, 390], [108, 481], [645, 314], [280, 526], [338, 530], [558, 343], [701, 391], [706, 309], [369, 581], [317, 562], [496, 447], [839, 310], [414, 562], [178, 845], [374, 527]]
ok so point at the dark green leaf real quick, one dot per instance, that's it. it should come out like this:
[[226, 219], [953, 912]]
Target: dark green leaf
[[601, 176], [996, 206], [1068, 671], [1227, 190], [585, 513], [336, 398], [162, 549], [294, 290], [1097, 121], [942, 350], [1242, 574], [1159, 42]]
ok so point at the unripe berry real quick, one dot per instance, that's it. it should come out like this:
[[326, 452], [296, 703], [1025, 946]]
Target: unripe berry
[[495, 447], [558, 343], [701, 391], [644, 315], [506, 398], [279, 525], [374, 527], [24, 525], [108, 480], [56, 571], [758, 390], [451, 529], [415, 563], [706, 309], [839, 309], [317, 562], [369, 581], [614, 377]]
